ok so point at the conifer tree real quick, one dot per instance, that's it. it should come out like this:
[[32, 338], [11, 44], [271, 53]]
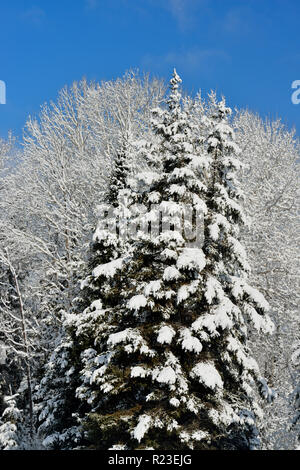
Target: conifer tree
[[172, 370], [56, 403], [230, 304], [121, 170], [140, 375], [60, 407], [11, 425]]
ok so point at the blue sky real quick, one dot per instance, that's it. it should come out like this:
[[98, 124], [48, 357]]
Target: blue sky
[[249, 50]]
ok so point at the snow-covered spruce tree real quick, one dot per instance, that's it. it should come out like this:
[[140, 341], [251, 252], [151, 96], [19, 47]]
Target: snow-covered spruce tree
[[118, 181], [56, 404], [229, 302], [132, 373], [59, 404], [173, 369], [10, 423], [14, 429], [132, 377]]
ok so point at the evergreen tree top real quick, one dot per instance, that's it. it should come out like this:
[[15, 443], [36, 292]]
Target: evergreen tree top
[[175, 94]]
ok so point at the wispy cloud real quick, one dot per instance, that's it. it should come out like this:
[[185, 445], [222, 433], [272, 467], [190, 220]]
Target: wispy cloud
[[91, 4], [34, 15], [179, 9], [184, 11], [190, 60], [237, 20]]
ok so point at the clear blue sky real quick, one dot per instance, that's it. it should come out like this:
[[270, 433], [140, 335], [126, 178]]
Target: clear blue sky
[[248, 50]]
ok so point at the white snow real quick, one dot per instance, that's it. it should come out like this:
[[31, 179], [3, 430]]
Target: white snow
[[97, 374], [169, 236], [154, 197], [224, 128], [103, 358], [220, 318], [134, 340], [96, 305], [200, 435], [213, 289], [165, 334], [183, 293], [142, 427], [214, 231], [171, 273], [177, 189], [152, 287], [106, 388], [138, 371], [174, 402], [183, 173], [198, 203], [8, 436], [191, 258], [235, 347], [172, 425], [189, 342], [85, 282], [108, 269], [260, 322], [256, 297], [166, 375], [119, 337], [169, 254], [237, 287], [213, 142], [137, 302], [171, 208], [186, 290], [207, 374], [239, 252], [194, 436]]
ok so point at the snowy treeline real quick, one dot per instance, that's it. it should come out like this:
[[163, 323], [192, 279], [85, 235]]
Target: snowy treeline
[[148, 338]]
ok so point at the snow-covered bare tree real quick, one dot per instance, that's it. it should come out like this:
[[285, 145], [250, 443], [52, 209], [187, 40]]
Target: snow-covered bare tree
[[19, 331], [6, 146], [270, 181], [57, 392]]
